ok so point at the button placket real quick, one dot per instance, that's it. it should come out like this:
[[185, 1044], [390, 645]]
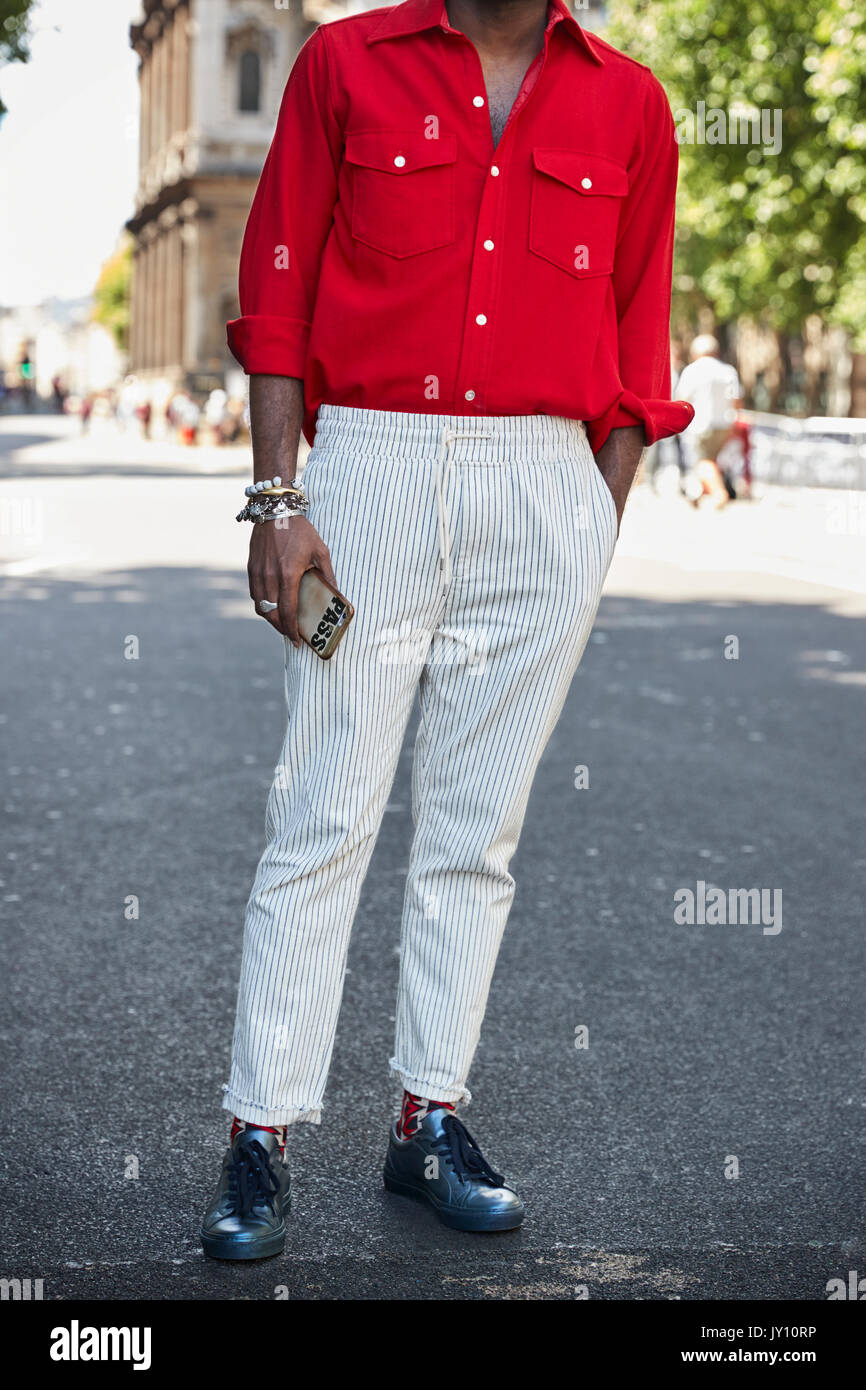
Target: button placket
[[484, 272], [470, 382]]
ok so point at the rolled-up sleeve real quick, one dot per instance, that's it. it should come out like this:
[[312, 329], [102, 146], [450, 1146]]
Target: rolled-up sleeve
[[289, 223], [642, 284]]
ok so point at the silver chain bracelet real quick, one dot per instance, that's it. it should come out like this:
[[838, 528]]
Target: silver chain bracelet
[[271, 501]]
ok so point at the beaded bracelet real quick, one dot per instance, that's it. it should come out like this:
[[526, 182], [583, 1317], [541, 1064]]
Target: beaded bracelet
[[271, 501]]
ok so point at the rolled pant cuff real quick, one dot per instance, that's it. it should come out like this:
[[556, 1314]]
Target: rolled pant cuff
[[429, 1090], [254, 1114]]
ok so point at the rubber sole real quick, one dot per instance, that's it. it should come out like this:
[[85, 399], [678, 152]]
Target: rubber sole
[[230, 1248], [478, 1222]]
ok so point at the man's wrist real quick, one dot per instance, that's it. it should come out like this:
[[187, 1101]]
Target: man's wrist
[[286, 472], [621, 451]]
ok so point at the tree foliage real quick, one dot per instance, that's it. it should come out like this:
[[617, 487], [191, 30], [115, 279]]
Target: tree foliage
[[775, 236], [14, 34], [112, 293]]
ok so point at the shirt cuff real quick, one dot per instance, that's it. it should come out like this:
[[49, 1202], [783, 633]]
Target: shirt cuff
[[267, 345], [659, 419]]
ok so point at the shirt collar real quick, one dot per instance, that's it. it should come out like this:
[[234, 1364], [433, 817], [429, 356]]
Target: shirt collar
[[413, 16]]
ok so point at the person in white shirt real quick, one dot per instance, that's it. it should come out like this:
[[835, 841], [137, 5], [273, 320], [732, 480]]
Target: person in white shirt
[[713, 388]]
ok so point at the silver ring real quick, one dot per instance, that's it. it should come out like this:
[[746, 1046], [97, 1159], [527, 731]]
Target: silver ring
[[265, 606]]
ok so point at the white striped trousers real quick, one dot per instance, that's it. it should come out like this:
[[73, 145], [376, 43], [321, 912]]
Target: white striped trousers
[[474, 551]]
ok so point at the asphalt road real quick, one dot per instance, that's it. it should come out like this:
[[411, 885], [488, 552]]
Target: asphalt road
[[712, 1049]]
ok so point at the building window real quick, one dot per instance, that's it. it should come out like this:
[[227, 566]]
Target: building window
[[250, 94]]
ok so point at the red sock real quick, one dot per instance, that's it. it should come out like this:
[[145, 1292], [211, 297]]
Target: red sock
[[278, 1130], [413, 1111]]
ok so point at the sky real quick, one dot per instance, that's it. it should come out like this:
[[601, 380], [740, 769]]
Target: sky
[[68, 149]]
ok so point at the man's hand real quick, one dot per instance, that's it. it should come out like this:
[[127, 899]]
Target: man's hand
[[618, 460], [280, 552]]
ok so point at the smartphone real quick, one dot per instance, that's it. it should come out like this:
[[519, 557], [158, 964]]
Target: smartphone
[[323, 614]]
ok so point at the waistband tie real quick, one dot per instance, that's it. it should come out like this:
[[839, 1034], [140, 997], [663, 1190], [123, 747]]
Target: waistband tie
[[444, 457]]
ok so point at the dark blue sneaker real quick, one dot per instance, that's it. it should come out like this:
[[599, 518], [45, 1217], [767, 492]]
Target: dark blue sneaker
[[441, 1164], [246, 1219]]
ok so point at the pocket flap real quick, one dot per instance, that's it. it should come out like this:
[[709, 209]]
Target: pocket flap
[[399, 151], [589, 174]]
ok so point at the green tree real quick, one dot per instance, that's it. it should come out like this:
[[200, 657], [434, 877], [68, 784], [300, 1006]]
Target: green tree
[[775, 236], [837, 85], [14, 34], [111, 295]]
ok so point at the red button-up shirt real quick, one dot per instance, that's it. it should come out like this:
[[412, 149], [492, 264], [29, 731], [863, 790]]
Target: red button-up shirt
[[395, 260]]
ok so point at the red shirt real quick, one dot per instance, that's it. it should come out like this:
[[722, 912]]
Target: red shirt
[[396, 261]]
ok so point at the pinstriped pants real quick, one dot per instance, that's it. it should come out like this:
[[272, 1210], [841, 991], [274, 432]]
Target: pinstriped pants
[[474, 551]]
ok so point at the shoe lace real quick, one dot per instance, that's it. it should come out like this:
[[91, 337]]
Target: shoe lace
[[466, 1158], [251, 1177]]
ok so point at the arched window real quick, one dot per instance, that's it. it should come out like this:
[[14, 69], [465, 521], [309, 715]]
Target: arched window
[[250, 94]]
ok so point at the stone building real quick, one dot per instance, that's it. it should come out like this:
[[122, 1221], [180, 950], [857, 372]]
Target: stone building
[[211, 76]]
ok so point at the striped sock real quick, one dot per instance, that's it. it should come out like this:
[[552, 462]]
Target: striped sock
[[413, 1111]]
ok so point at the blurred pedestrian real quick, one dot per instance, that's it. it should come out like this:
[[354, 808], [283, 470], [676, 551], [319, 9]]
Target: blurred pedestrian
[[128, 401], [144, 415], [214, 413], [172, 412], [713, 388], [188, 412], [735, 460], [232, 426]]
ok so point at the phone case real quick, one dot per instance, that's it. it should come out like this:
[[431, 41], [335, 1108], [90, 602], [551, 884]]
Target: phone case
[[323, 614]]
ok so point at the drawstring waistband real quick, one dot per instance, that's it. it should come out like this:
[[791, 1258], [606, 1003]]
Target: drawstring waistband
[[444, 456], [488, 440]]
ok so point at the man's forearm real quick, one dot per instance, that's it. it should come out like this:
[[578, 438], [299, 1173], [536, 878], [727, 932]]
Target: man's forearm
[[618, 459], [281, 551], [276, 417]]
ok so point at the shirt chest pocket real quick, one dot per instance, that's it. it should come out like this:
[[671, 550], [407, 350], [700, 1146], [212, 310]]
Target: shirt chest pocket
[[402, 190], [574, 211]]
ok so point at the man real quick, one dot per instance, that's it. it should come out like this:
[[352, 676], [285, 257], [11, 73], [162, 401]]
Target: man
[[456, 276], [713, 388]]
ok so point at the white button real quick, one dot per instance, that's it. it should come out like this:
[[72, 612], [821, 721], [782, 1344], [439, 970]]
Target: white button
[[469, 395], [488, 245], [494, 169], [399, 160], [586, 183], [481, 318], [477, 101]]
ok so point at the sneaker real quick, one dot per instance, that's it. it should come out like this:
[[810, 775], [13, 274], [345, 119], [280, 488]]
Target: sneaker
[[246, 1219], [442, 1165]]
